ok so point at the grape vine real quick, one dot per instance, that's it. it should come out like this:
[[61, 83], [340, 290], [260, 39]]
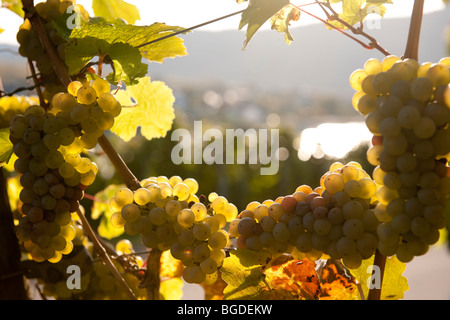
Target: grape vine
[[349, 218]]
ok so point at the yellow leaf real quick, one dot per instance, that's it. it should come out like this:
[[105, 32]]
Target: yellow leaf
[[153, 113], [171, 289]]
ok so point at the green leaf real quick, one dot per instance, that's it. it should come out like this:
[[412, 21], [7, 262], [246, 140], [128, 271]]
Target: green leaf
[[97, 39], [14, 5], [101, 209], [394, 283], [154, 112], [355, 11], [127, 64], [113, 9], [6, 147], [242, 272], [281, 21], [171, 289], [257, 13]]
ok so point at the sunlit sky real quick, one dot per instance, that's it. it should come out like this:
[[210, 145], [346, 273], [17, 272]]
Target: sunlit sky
[[187, 13]]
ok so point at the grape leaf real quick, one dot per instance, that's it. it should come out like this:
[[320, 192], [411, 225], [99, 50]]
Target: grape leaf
[[355, 11], [97, 38], [170, 267], [394, 283], [294, 279], [14, 5], [336, 283], [153, 113], [242, 273], [113, 9], [6, 147], [127, 64], [101, 209], [257, 13], [281, 21], [171, 289]]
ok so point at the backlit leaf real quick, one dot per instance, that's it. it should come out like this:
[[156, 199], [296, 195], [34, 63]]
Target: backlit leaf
[[113, 9], [153, 113], [294, 279], [336, 283], [394, 283], [281, 21], [257, 13], [98, 39], [171, 289], [170, 267], [6, 147], [242, 272], [101, 209], [14, 5]]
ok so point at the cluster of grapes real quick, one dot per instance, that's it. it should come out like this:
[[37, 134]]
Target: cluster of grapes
[[168, 215], [96, 281], [336, 219], [10, 106], [407, 109], [31, 47], [53, 173]]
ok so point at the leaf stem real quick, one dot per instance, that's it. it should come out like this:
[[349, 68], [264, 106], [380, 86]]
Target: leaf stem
[[37, 84], [122, 169], [334, 16], [369, 47], [380, 262]]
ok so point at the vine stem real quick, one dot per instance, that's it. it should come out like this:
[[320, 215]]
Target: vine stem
[[334, 16], [36, 83], [412, 46], [101, 251]]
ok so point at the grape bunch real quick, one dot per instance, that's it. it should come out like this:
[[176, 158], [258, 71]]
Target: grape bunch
[[407, 108], [336, 219], [30, 46], [10, 106], [53, 173], [96, 281], [168, 215]]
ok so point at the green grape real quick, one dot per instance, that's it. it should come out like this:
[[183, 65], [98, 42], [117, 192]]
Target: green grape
[[353, 228], [356, 79], [281, 232], [181, 191], [208, 266], [101, 86], [130, 212], [200, 211], [157, 216], [438, 74], [201, 231], [334, 182], [123, 197], [201, 252], [67, 136]]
